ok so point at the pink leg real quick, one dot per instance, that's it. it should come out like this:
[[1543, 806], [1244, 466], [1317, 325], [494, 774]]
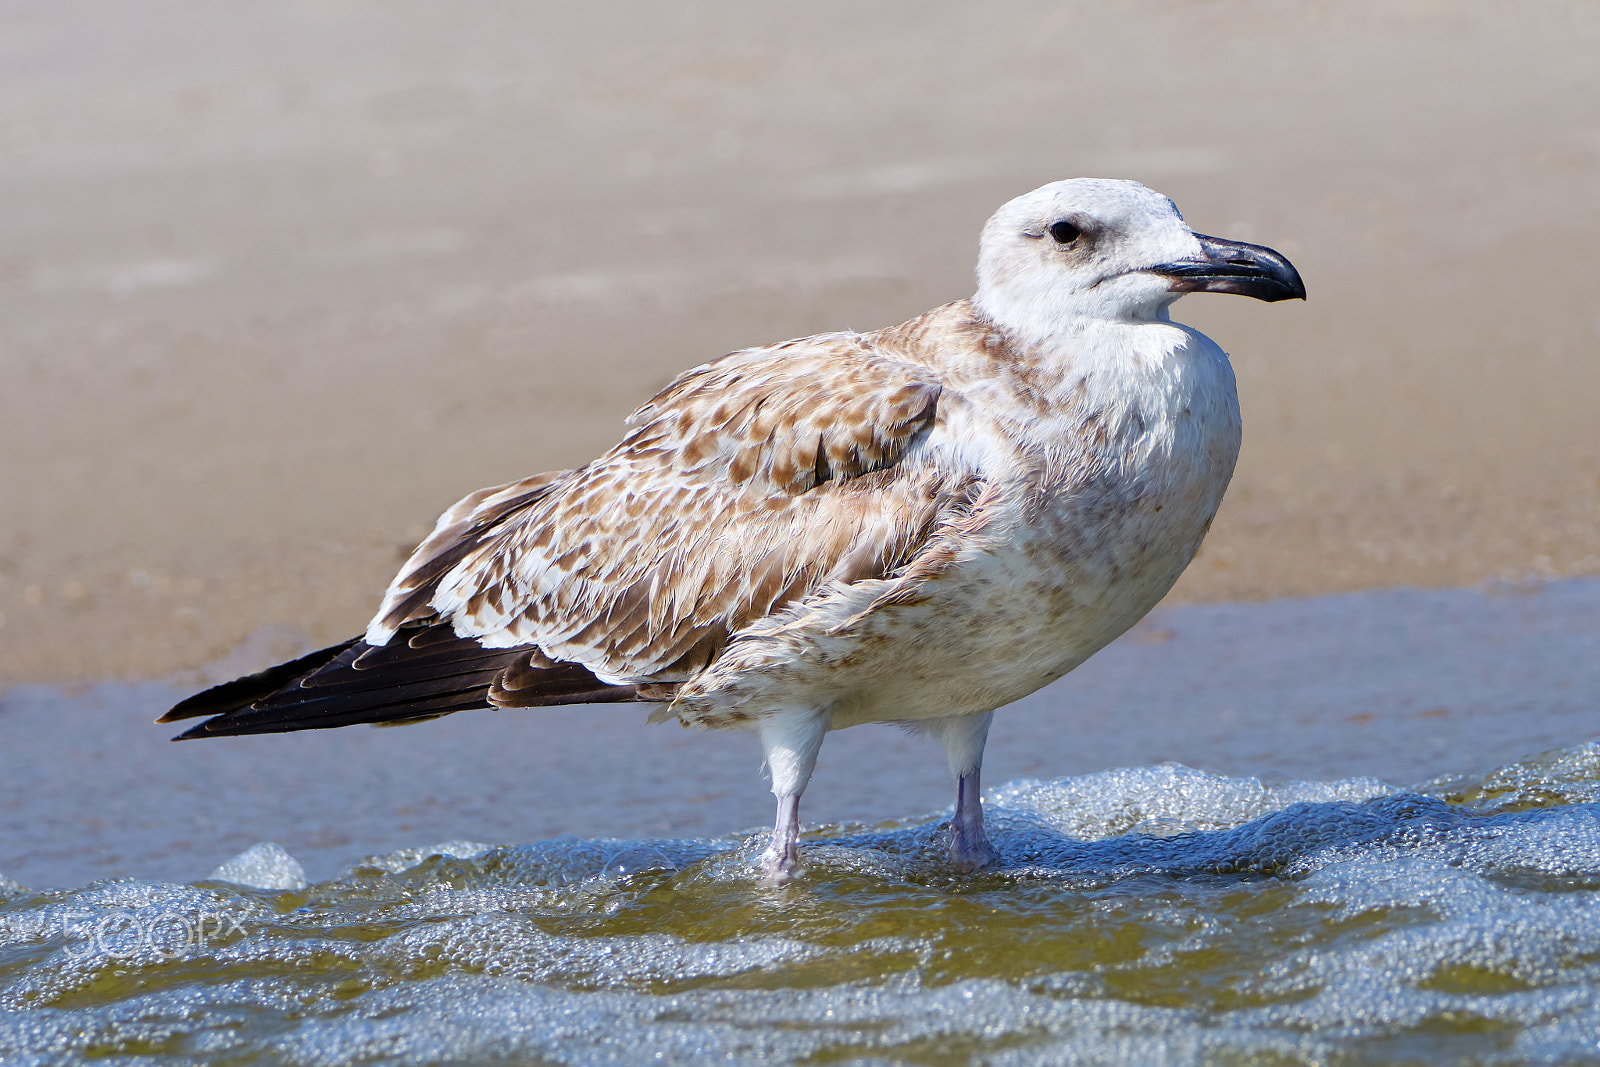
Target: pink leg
[[791, 738], [969, 845], [781, 861], [963, 739]]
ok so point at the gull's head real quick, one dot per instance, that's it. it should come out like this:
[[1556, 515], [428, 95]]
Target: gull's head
[[1098, 248]]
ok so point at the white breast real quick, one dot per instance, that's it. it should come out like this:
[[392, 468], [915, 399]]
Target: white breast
[[1105, 499]]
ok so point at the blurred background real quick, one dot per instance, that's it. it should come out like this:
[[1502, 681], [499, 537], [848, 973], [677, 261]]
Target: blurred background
[[281, 281]]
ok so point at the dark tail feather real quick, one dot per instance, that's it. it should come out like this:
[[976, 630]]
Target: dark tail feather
[[420, 674]]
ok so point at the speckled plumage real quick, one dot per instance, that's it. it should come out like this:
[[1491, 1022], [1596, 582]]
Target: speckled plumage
[[917, 525]]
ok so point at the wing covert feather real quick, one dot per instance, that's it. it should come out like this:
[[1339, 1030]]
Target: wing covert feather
[[746, 484]]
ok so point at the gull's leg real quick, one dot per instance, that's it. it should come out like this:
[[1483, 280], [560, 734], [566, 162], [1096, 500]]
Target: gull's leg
[[963, 739], [791, 738]]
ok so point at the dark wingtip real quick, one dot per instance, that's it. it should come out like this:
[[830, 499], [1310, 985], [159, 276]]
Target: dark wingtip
[[231, 696], [191, 733], [198, 730], [430, 673]]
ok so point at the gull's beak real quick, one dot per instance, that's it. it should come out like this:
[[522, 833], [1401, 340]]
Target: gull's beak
[[1235, 267]]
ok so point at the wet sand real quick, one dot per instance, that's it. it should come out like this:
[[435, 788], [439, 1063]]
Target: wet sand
[[277, 284]]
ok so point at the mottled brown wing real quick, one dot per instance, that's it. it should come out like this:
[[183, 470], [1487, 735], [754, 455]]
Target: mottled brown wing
[[744, 485]]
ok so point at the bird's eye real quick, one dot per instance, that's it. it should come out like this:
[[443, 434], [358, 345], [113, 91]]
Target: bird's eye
[[1064, 232]]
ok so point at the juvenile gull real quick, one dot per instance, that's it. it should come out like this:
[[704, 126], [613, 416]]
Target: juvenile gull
[[915, 525]]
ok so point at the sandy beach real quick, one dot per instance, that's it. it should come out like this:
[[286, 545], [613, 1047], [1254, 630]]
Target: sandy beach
[[278, 284]]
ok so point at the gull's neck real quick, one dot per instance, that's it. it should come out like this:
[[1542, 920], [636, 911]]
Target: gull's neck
[[1044, 321], [1058, 330]]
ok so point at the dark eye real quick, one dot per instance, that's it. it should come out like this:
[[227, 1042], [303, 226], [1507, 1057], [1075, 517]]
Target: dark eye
[[1064, 232]]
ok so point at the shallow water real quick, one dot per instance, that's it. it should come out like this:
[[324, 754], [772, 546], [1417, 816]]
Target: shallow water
[[1158, 914], [1401, 685], [1318, 895]]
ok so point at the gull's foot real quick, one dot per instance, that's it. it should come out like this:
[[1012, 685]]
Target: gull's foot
[[970, 852], [779, 865]]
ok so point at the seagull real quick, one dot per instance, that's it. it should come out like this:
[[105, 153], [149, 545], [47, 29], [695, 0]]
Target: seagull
[[915, 525]]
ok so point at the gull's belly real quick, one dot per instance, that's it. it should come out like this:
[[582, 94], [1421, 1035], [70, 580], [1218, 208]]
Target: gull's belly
[[1042, 595], [1023, 613]]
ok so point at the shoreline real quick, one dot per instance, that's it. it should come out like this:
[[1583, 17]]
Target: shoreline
[[1399, 685]]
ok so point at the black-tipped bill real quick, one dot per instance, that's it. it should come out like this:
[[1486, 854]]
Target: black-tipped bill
[[1235, 267]]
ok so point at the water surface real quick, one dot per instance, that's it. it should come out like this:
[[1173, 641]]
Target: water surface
[[1388, 854], [1151, 915]]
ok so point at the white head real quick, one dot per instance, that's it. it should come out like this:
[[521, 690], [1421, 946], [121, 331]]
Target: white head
[[1099, 248]]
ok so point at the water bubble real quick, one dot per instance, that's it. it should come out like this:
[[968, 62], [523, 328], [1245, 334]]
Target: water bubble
[[1151, 914]]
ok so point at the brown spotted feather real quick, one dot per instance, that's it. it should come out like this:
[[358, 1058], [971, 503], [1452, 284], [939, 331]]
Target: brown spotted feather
[[743, 486]]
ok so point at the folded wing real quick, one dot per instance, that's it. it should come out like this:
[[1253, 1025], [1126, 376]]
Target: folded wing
[[746, 485]]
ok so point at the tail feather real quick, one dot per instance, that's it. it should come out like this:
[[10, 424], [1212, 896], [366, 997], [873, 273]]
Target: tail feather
[[423, 673]]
